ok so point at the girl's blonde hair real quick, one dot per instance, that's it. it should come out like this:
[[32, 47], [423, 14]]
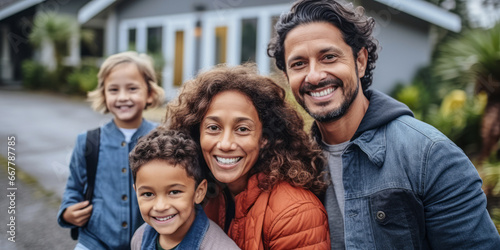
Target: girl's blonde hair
[[144, 64]]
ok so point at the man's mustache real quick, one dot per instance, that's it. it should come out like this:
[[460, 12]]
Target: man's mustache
[[307, 87]]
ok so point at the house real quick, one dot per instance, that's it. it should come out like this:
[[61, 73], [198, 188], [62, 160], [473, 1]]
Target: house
[[16, 22], [190, 35]]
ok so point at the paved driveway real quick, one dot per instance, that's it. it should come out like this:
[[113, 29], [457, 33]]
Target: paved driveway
[[45, 127]]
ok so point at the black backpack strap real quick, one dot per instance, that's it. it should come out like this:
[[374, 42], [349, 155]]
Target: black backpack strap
[[91, 158]]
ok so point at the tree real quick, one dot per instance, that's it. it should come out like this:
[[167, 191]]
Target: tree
[[51, 32], [473, 62]]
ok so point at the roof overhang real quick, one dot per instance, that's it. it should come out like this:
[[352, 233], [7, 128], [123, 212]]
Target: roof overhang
[[428, 12], [91, 9], [17, 7]]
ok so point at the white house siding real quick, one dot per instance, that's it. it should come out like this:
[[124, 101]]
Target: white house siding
[[404, 39], [210, 19]]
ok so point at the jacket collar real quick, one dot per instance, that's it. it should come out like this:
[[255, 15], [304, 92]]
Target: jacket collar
[[245, 200], [373, 144], [114, 132], [192, 239]]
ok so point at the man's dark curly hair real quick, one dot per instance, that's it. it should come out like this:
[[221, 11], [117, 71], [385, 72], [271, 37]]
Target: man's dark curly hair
[[289, 154], [171, 146], [355, 26]]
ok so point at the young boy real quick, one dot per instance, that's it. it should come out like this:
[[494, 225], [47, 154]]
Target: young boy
[[126, 86], [169, 184]]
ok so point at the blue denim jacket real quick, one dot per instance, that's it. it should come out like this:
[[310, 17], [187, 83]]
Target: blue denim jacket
[[115, 213], [407, 186], [192, 240]]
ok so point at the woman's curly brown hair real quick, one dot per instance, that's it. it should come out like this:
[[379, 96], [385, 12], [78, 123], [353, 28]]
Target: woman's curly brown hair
[[355, 26], [289, 154]]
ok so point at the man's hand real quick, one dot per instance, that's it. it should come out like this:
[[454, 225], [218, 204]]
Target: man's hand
[[78, 214]]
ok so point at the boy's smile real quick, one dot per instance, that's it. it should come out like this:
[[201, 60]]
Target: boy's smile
[[167, 198], [164, 219]]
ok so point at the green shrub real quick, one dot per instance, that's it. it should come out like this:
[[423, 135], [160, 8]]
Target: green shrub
[[34, 74], [158, 64], [82, 80], [495, 216], [458, 116], [60, 78], [411, 96], [37, 76], [491, 176]]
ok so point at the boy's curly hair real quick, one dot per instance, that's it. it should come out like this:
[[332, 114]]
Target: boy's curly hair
[[288, 155], [172, 146]]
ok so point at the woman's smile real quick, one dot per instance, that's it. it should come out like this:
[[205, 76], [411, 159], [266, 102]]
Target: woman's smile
[[230, 138]]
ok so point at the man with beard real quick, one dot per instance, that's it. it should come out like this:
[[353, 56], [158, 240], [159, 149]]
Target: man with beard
[[396, 182]]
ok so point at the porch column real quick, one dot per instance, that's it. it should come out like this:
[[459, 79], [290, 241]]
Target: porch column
[[263, 37], [6, 63], [110, 35]]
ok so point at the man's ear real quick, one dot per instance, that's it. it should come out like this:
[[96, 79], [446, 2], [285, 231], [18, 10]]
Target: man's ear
[[200, 192], [362, 61]]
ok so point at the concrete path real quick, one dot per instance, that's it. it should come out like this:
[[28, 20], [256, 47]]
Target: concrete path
[[45, 127], [34, 225]]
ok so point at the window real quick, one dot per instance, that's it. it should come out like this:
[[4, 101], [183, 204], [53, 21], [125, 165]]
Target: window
[[220, 44], [155, 40], [248, 40], [131, 39]]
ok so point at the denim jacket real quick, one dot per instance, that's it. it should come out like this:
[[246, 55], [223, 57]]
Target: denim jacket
[[115, 213], [407, 186]]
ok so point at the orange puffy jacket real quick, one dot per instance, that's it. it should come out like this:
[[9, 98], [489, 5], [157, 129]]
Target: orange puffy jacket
[[287, 217]]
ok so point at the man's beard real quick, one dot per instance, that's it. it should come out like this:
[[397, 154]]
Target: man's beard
[[337, 113]]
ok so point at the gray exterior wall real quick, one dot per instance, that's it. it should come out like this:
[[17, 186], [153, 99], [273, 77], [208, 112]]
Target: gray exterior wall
[[405, 45], [68, 7], [136, 9]]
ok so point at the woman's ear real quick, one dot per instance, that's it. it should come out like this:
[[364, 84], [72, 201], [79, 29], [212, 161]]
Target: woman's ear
[[200, 192], [263, 142]]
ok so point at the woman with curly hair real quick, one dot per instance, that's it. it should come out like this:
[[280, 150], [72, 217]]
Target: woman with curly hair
[[266, 167]]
